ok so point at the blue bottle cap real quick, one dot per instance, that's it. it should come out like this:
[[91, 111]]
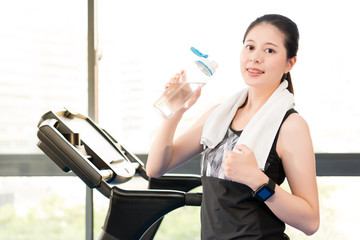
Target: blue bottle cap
[[198, 53], [204, 68]]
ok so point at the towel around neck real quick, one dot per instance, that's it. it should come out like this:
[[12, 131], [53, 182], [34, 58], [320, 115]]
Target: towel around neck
[[260, 132]]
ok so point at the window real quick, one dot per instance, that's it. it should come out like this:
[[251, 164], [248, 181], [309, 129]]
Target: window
[[143, 45], [34, 207], [43, 66]]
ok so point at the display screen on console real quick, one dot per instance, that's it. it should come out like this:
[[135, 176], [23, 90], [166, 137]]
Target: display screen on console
[[93, 139]]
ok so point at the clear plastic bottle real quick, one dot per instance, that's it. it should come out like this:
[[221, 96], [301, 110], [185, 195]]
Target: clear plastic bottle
[[177, 95]]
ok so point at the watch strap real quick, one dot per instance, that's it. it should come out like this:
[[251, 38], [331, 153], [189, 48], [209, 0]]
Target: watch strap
[[265, 191]]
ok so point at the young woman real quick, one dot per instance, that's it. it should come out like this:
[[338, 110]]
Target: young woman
[[249, 144]]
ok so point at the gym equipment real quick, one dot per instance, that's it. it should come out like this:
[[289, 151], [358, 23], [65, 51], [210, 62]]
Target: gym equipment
[[76, 143]]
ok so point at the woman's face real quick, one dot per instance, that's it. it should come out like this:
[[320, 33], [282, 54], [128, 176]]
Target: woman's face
[[263, 58]]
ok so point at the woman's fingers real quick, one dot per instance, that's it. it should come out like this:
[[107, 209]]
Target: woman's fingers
[[242, 148], [183, 76], [175, 79], [193, 99]]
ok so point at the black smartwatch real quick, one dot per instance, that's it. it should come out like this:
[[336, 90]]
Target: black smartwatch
[[265, 191]]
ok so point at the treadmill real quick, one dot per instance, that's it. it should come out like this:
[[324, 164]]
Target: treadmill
[[75, 143]]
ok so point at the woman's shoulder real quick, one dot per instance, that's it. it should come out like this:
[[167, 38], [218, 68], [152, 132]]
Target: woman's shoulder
[[294, 123], [293, 134]]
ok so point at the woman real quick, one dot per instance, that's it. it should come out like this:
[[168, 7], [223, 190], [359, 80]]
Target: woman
[[242, 197]]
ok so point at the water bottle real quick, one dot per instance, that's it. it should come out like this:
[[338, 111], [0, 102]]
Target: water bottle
[[197, 75]]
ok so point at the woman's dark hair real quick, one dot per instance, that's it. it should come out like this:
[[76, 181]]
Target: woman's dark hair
[[291, 33]]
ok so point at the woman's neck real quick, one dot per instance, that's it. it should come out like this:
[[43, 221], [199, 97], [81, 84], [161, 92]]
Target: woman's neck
[[257, 98]]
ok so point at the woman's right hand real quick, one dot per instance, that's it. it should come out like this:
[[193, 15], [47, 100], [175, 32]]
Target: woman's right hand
[[177, 78], [181, 78]]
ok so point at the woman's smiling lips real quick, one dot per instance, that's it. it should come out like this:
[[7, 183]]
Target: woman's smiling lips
[[254, 71]]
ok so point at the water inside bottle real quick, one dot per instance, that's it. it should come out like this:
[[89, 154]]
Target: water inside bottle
[[176, 97]]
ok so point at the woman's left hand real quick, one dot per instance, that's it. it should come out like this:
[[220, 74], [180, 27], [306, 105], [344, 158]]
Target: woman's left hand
[[242, 166]]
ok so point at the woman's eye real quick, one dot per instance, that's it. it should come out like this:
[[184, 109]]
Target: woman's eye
[[269, 50], [250, 47]]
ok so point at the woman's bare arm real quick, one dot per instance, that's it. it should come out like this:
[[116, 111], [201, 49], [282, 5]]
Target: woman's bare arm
[[299, 209], [166, 154]]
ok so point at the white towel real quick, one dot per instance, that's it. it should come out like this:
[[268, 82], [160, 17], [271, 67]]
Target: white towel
[[260, 132]]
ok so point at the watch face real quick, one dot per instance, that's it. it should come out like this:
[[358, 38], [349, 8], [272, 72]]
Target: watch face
[[265, 193]]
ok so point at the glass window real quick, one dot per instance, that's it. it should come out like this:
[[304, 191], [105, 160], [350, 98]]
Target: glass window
[[31, 208], [143, 43], [338, 203], [43, 66], [35, 208]]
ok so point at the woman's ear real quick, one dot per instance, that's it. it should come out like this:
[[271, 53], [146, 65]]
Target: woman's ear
[[291, 63]]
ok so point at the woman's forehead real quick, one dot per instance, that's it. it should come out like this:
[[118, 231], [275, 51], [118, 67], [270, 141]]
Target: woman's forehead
[[266, 34]]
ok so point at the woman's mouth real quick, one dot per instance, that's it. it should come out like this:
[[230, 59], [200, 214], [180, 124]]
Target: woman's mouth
[[255, 71]]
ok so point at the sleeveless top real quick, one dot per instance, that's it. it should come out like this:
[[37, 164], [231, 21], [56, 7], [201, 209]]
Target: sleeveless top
[[228, 209]]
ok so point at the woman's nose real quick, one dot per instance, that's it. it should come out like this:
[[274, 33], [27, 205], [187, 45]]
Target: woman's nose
[[255, 57]]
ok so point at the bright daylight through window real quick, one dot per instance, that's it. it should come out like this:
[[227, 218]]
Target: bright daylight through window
[[43, 66], [142, 49]]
